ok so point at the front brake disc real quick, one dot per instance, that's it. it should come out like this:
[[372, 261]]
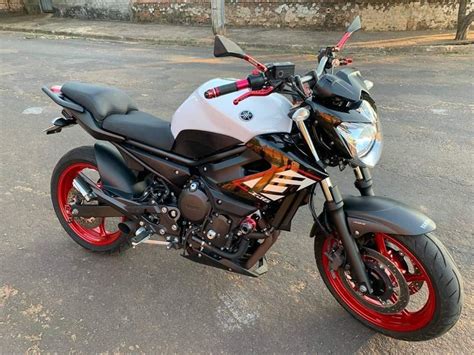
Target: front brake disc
[[391, 293]]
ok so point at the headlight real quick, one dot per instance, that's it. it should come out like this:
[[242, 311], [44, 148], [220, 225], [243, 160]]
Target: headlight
[[363, 140]]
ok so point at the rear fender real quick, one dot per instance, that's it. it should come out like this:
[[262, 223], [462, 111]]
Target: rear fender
[[115, 175]]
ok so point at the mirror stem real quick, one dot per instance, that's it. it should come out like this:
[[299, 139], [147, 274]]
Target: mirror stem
[[343, 41]]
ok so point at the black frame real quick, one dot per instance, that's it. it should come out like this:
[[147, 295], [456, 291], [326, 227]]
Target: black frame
[[279, 150]]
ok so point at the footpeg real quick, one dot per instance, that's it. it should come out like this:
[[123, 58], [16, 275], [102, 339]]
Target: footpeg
[[141, 236]]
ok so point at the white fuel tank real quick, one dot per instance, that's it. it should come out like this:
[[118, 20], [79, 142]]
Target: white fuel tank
[[250, 118]]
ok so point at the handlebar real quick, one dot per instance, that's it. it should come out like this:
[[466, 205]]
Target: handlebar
[[254, 82], [227, 88], [263, 84], [280, 77]]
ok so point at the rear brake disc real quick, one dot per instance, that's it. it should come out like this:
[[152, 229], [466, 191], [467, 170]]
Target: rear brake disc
[[74, 197]]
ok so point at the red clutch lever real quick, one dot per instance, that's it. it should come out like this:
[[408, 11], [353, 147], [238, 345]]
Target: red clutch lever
[[262, 92]]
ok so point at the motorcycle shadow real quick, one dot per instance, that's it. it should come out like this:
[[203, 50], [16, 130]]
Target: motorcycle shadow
[[152, 298]]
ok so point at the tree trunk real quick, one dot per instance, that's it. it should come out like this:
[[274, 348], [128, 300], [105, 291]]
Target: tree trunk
[[217, 17], [463, 27], [464, 21]]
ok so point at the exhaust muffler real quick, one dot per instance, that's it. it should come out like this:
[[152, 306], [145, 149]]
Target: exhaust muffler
[[128, 227]]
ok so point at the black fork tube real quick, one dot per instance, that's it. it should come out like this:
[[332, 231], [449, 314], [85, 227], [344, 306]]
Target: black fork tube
[[363, 181], [334, 206]]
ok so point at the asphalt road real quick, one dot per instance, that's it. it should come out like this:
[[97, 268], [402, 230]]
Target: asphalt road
[[57, 297]]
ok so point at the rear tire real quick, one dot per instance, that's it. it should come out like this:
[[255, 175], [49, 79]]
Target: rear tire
[[441, 278], [96, 239]]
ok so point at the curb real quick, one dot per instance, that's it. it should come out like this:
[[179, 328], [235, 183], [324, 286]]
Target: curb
[[181, 42], [436, 48]]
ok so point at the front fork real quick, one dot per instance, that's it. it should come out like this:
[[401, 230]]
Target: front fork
[[363, 181], [334, 206]]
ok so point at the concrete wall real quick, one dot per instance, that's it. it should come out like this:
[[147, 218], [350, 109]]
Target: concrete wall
[[381, 15], [378, 15], [32, 6], [11, 6], [93, 9]]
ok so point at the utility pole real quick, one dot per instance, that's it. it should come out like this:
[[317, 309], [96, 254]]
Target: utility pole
[[218, 17]]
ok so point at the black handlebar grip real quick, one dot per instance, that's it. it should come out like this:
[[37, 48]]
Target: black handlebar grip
[[227, 88], [221, 90]]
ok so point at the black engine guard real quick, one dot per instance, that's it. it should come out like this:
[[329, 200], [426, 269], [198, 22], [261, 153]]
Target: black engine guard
[[373, 214]]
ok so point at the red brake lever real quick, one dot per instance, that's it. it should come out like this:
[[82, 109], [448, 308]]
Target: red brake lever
[[262, 92]]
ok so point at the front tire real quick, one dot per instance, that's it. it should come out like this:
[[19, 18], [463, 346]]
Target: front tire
[[419, 268], [91, 233]]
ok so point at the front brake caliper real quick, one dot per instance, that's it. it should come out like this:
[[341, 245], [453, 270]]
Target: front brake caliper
[[336, 259]]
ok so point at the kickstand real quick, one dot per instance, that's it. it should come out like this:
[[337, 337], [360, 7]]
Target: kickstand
[[261, 267]]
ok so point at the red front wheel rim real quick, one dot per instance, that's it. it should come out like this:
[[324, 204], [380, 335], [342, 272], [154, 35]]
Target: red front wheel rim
[[407, 320], [98, 236]]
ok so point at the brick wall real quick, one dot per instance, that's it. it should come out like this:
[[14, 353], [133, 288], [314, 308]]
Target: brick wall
[[11, 6], [93, 9]]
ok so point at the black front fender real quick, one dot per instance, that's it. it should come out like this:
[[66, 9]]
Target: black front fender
[[373, 214]]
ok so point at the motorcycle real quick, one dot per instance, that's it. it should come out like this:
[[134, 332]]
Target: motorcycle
[[238, 160]]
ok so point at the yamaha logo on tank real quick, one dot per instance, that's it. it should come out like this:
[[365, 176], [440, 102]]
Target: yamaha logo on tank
[[246, 115]]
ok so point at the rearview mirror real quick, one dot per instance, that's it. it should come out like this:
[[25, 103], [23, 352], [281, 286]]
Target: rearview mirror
[[224, 47], [355, 25]]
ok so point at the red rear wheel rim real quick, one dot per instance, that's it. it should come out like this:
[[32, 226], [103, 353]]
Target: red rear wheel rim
[[98, 236], [405, 320]]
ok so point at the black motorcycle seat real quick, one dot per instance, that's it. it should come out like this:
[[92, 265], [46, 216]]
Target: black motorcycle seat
[[100, 101], [142, 127]]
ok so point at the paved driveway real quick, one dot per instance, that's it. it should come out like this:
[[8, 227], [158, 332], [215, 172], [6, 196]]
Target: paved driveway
[[57, 297]]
